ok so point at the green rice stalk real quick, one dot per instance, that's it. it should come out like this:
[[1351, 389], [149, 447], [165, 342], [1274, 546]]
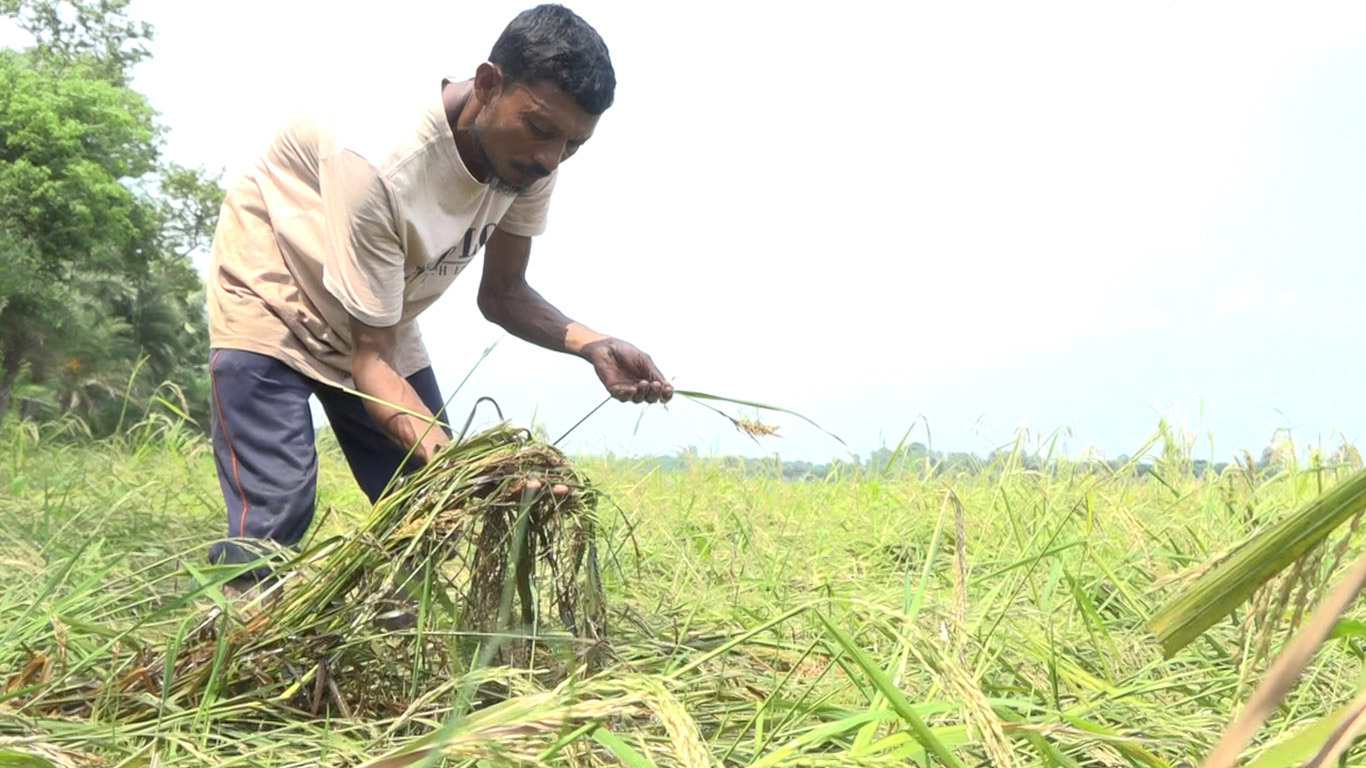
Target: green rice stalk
[[895, 698], [1215, 594], [977, 712], [751, 428]]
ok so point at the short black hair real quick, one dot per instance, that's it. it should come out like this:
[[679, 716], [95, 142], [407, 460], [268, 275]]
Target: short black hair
[[551, 42]]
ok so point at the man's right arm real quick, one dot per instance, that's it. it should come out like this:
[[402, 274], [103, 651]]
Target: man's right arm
[[363, 264], [392, 401]]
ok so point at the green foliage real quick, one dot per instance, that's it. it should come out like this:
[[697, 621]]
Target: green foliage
[[99, 302], [97, 33], [188, 203]]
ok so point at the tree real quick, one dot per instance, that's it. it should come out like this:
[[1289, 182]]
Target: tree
[[95, 232], [98, 33]]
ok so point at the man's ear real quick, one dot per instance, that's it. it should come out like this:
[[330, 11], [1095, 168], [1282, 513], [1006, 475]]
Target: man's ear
[[488, 82]]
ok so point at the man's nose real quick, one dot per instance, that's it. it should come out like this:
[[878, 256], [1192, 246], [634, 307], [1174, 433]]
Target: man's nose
[[548, 159]]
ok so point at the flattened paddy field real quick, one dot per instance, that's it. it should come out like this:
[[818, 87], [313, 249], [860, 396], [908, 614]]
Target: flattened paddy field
[[996, 613]]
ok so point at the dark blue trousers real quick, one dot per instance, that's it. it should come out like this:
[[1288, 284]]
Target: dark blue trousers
[[263, 445]]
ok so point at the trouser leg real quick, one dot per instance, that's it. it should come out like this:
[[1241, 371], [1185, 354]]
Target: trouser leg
[[373, 456], [263, 448]]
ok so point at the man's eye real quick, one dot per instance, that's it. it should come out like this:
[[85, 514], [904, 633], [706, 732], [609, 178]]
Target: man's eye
[[538, 131]]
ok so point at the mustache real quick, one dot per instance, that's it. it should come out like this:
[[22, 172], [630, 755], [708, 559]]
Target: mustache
[[532, 169]]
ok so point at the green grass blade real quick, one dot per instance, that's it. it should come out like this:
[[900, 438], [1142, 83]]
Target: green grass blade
[[821, 735], [1131, 750], [895, 697], [740, 639], [621, 750], [12, 759]]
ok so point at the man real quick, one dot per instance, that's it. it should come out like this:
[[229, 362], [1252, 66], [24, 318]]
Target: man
[[354, 221]]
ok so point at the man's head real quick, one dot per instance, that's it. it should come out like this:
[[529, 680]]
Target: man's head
[[547, 81], [550, 42]]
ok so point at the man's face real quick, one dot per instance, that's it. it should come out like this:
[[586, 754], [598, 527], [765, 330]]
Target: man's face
[[526, 130]]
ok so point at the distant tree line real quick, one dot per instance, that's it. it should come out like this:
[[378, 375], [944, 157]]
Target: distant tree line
[[100, 304], [919, 460]]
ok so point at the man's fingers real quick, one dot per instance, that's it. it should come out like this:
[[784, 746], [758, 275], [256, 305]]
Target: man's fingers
[[660, 391], [532, 485], [647, 392], [652, 396], [644, 392]]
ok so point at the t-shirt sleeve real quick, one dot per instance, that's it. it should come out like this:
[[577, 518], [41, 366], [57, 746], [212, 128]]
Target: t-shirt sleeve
[[527, 214], [362, 257]]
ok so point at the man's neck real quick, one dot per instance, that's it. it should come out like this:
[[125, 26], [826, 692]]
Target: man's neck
[[460, 114]]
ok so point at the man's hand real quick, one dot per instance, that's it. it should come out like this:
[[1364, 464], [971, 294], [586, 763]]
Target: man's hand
[[628, 373], [506, 299]]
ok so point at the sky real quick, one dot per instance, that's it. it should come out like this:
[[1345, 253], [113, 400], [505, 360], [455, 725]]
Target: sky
[[958, 219]]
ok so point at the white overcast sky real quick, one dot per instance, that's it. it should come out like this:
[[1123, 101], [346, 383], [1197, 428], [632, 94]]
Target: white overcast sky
[[980, 216]]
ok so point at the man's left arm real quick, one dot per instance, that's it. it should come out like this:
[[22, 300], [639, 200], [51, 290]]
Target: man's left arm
[[505, 298]]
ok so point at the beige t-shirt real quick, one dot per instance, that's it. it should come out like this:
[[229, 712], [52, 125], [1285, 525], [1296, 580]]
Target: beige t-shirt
[[367, 212]]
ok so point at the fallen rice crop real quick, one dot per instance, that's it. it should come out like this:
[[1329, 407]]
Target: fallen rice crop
[[714, 616]]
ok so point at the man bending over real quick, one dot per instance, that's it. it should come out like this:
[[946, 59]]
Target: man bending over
[[350, 224]]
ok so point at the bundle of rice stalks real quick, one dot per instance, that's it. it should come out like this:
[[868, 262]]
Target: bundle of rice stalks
[[480, 520], [448, 552]]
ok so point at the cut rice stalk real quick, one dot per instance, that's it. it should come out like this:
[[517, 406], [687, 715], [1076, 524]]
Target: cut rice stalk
[[1216, 593]]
